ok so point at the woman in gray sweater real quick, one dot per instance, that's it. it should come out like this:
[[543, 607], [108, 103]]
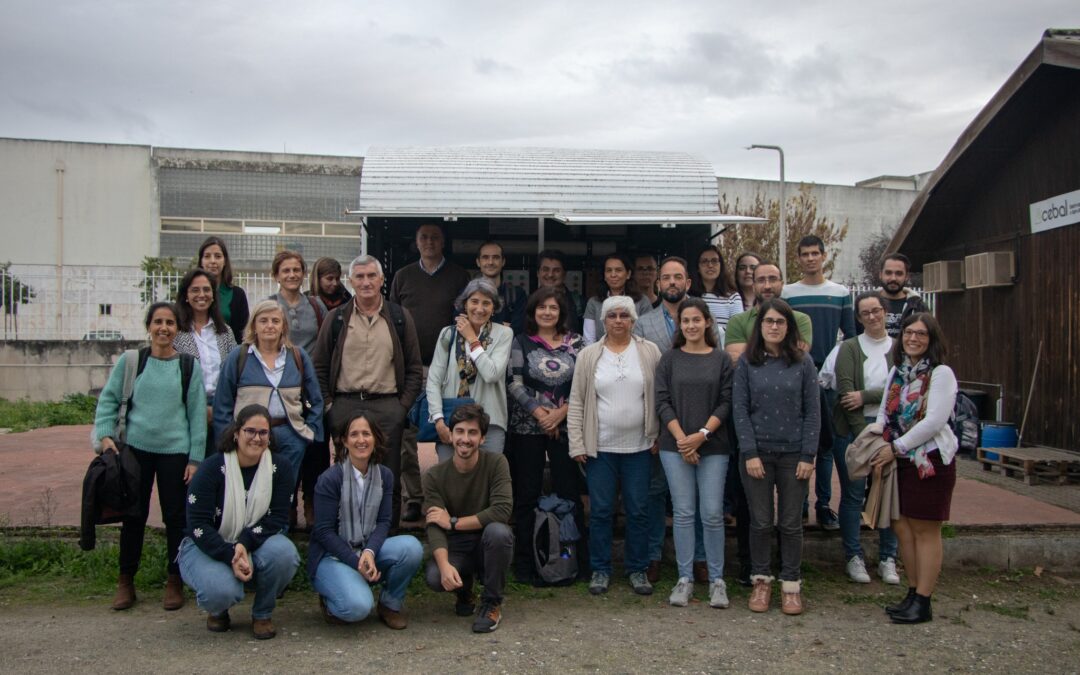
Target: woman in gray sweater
[[776, 411]]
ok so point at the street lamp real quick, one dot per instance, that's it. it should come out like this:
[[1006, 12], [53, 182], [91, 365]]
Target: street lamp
[[783, 227]]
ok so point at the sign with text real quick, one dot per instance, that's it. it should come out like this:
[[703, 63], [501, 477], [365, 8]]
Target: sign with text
[[1055, 212]]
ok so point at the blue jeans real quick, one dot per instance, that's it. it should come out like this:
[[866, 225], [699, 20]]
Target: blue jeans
[[852, 494], [348, 595], [292, 446], [603, 474], [494, 441], [217, 588], [658, 494], [697, 493]]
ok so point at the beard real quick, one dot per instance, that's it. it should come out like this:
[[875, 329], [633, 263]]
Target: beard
[[673, 295], [893, 286]]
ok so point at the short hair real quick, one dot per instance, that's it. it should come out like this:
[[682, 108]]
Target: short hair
[[789, 348], [429, 224], [161, 305], [710, 332], [378, 438], [226, 269], [361, 260], [541, 295], [899, 257], [552, 254], [490, 242], [645, 254], [470, 412], [320, 269], [674, 259], [280, 259], [478, 285], [938, 349], [724, 283], [614, 302], [808, 241], [768, 263], [227, 442], [186, 313], [264, 306]]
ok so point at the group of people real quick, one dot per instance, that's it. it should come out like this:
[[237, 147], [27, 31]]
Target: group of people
[[723, 391]]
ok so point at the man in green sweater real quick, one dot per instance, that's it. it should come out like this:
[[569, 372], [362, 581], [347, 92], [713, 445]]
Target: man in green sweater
[[467, 505]]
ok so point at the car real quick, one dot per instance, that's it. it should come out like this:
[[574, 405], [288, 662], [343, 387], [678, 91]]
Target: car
[[99, 335]]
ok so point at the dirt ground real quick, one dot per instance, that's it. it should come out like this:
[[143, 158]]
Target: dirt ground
[[995, 622]]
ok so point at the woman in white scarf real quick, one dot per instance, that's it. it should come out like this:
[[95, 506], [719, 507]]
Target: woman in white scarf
[[237, 514], [349, 548]]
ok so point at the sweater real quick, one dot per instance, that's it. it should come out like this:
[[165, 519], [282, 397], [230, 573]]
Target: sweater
[[776, 407], [157, 420], [741, 326], [489, 387], [234, 309], [206, 503], [541, 376], [849, 377], [430, 299], [303, 320], [934, 426], [325, 539], [830, 309], [484, 492], [691, 388]]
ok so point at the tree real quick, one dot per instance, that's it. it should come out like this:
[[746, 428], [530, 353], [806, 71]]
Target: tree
[[13, 292], [764, 238], [870, 258], [161, 277]]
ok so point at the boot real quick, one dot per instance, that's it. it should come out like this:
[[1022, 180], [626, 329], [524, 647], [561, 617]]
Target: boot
[[903, 604], [917, 612], [125, 592], [309, 514], [174, 593]]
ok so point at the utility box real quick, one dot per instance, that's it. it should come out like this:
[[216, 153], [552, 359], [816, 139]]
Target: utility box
[[943, 276], [994, 268]]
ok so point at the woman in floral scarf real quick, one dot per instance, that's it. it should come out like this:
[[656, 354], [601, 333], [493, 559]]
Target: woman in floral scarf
[[919, 400]]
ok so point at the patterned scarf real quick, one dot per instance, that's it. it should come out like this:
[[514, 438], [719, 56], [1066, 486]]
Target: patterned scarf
[[906, 405], [466, 367]]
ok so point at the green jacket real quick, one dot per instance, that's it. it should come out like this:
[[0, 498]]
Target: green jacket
[[849, 377]]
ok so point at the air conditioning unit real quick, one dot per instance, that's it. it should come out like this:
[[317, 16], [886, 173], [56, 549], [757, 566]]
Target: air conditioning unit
[[994, 268], [943, 276]]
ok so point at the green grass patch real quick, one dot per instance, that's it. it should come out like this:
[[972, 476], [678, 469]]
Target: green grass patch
[[25, 415], [1011, 611]]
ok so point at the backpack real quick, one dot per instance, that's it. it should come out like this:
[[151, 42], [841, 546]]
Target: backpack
[[965, 422], [556, 563]]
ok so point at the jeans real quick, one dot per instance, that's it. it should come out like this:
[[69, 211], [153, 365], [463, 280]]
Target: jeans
[[603, 474], [172, 496], [292, 446], [697, 493], [348, 594], [791, 493], [494, 441], [852, 495], [487, 555], [389, 414], [217, 588], [658, 496]]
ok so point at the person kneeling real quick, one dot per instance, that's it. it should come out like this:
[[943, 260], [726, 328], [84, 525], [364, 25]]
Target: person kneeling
[[467, 502], [237, 513], [349, 548]]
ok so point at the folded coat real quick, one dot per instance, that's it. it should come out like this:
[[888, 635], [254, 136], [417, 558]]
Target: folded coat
[[883, 503]]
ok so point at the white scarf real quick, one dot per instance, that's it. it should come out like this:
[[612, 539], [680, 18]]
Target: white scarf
[[244, 508]]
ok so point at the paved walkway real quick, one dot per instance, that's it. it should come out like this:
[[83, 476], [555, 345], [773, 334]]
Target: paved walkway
[[41, 475]]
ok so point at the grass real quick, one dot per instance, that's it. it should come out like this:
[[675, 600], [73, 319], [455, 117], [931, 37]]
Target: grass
[[23, 415]]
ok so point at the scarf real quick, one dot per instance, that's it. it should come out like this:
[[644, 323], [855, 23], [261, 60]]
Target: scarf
[[466, 367], [357, 511], [906, 406], [244, 508]]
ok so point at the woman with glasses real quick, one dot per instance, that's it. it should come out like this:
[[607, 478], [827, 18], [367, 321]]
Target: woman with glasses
[[237, 514], [745, 265], [919, 400], [862, 364], [612, 425], [712, 283], [617, 275]]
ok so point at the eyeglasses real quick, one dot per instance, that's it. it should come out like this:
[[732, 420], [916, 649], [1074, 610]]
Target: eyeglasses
[[253, 433], [709, 261], [746, 268], [877, 311], [915, 333], [650, 268], [781, 321], [620, 316]]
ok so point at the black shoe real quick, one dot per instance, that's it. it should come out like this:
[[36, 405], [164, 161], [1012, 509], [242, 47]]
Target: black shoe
[[903, 604], [412, 513], [917, 612], [488, 619], [466, 602]]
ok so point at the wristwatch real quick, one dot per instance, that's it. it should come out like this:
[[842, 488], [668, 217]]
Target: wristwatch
[[705, 432], [453, 523]]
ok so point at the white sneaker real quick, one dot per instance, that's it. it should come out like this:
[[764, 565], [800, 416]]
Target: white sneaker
[[886, 569], [680, 595], [856, 570], [718, 594]]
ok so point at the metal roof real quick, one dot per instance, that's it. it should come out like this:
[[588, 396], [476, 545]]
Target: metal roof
[[571, 185]]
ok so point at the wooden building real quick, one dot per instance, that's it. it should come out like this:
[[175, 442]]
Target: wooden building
[[1010, 188]]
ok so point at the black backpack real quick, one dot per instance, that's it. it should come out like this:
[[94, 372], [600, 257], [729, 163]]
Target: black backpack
[[397, 317], [556, 562], [965, 422]]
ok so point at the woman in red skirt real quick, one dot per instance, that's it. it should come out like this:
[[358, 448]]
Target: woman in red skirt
[[921, 392]]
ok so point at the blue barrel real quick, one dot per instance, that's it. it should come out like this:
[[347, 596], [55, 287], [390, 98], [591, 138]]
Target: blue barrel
[[998, 435]]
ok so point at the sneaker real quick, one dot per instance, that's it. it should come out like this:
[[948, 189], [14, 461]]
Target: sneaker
[[640, 583], [827, 520], [465, 604], [680, 595], [599, 583], [488, 618], [718, 595], [886, 569], [856, 570]]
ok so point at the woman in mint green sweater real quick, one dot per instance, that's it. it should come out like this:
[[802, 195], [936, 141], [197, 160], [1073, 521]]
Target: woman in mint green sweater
[[167, 438]]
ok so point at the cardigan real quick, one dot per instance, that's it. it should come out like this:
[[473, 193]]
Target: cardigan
[[582, 421], [184, 342], [934, 426], [849, 377], [489, 388], [325, 539], [235, 312]]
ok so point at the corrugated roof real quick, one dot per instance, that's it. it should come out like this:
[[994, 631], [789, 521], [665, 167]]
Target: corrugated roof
[[508, 181]]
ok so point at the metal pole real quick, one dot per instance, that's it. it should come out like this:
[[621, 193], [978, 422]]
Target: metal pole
[[60, 167], [783, 225], [540, 234]]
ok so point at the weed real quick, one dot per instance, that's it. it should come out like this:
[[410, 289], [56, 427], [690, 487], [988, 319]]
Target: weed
[[948, 531], [24, 415], [44, 509]]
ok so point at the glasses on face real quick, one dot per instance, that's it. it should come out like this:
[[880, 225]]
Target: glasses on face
[[647, 268], [866, 314], [771, 321], [709, 261], [619, 316], [252, 433], [746, 268], [916, 333]]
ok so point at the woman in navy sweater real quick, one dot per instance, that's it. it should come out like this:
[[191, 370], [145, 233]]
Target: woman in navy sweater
[[349, 548], [237, 512]]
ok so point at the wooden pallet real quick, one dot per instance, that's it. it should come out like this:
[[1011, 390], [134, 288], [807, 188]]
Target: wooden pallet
[[1033, 464]]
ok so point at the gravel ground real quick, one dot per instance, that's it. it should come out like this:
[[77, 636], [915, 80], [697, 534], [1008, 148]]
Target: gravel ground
[[984, 621]]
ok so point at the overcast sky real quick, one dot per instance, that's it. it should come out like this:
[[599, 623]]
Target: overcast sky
[[850, 89]]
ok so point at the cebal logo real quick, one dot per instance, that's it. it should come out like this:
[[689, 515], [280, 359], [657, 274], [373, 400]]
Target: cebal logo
[[1058, 211]]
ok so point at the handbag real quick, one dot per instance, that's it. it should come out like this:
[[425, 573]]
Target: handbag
[[419, 414]]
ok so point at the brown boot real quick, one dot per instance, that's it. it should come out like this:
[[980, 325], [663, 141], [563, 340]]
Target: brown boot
[[652, 572], [791, 598], [761, 595], [125, 592], [219, 623], [174, 593], [393, 618], [263, 629]]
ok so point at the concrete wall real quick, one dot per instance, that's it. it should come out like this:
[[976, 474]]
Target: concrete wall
[[49, 370], [82, 203]]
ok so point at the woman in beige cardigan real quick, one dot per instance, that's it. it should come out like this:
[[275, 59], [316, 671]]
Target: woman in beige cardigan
[[612, 425]]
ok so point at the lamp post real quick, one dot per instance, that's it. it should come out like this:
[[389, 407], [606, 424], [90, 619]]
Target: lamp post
[[783, 225]]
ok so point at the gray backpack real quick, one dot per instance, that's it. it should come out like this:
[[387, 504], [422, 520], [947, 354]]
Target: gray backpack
[[556, 562]]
